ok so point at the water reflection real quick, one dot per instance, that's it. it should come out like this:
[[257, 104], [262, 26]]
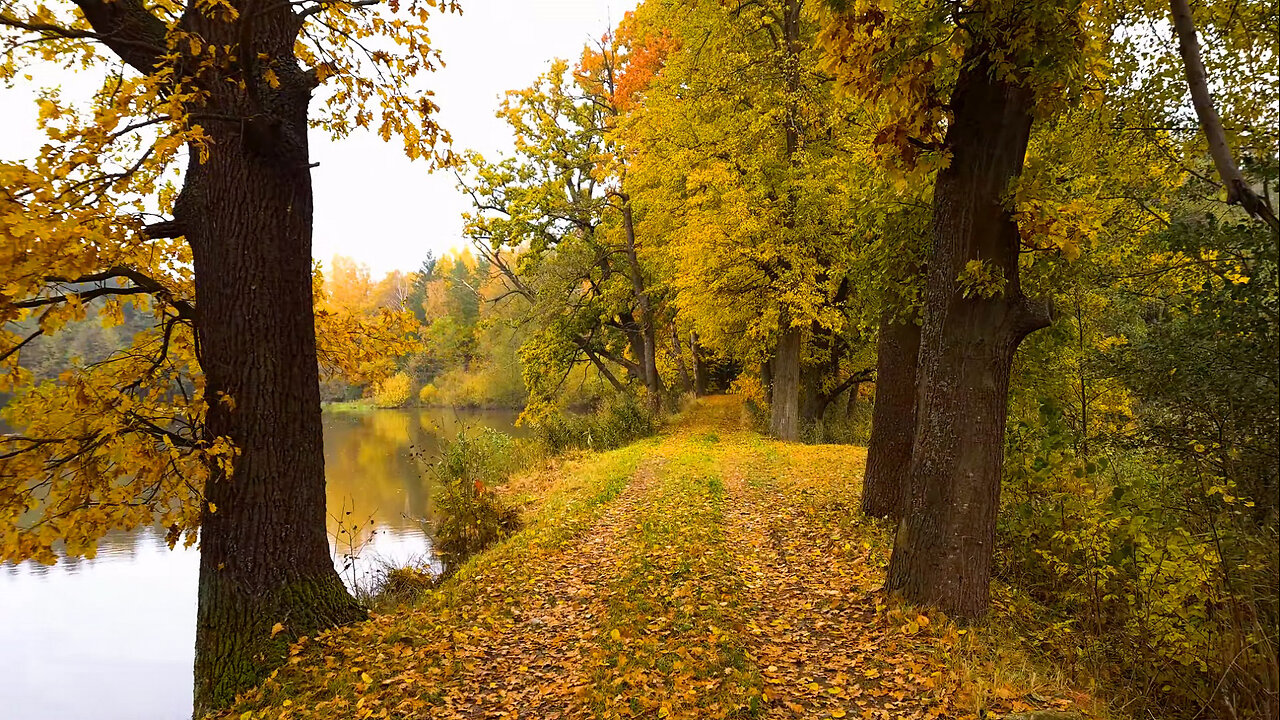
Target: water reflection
[[111, 637]]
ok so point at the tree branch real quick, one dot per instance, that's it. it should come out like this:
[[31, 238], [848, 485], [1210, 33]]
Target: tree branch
[[1238, 190], [5, 355], [142, 283], [129, 29], [308, 12]]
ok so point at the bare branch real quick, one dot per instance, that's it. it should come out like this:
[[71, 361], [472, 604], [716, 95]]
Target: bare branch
[[5, 355], [1238, 190]]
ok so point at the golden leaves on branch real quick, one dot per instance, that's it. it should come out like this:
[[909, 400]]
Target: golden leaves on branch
[[366, 59]]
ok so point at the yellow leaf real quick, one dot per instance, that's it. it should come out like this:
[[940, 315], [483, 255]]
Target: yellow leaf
[[837, 713], [277, 629], [365, 677], [615, 634]]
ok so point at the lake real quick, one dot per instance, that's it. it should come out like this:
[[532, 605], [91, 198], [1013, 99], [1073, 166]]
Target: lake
[[113, 638]]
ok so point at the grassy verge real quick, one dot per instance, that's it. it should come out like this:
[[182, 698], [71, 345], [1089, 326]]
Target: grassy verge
[[349, 406]]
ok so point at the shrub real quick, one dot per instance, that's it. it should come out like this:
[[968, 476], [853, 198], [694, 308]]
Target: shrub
[[477, 387], [1162, 606], [388, 585], [471, 515], [394, 391], [428, 395], [620, 420], [755, 401]]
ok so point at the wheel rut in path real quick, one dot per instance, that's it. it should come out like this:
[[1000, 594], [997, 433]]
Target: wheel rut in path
[[534, 667], [822, 647]]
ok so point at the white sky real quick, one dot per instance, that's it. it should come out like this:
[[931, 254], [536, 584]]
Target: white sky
[[372, 203]]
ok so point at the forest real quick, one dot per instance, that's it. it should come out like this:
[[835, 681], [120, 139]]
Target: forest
[[873, 358]]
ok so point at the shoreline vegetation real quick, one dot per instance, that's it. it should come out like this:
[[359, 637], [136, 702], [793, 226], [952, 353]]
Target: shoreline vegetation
[[369, 405], [701, 572]]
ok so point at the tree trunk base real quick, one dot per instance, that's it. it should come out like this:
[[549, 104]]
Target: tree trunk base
[[235, 647]]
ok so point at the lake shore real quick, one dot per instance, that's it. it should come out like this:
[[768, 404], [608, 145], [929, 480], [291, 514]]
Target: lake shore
[[368, 405]]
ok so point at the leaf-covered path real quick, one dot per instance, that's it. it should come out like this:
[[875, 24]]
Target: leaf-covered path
[[705, 573]]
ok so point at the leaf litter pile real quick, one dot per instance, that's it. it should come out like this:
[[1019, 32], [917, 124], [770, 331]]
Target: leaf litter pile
[[705, 573]]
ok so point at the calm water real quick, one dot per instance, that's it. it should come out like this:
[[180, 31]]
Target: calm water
[[112, 638]]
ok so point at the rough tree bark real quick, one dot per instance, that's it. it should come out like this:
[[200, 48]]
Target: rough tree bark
[[699, 366], [893, 419], [1238, 190], [686, 383], [943, 549], [811, 406], [247, 214], [784, 399]]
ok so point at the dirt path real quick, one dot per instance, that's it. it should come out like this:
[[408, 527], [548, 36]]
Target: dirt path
[[535, 669], [707, 573], [814, 628]]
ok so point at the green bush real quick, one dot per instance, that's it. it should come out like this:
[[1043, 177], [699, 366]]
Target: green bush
[[470, 514], [620, 420], [1148, 582]]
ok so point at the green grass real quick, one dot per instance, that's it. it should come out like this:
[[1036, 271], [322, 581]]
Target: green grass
[[670, 625], [349, 406]]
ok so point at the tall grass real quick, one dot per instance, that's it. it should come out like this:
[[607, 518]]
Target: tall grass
[[618, 421], [470, 514]]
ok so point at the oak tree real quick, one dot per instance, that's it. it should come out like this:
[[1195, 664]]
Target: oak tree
[[183, 186]]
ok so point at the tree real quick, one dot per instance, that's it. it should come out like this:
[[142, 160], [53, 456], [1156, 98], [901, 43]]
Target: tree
[[556, 222], [417, 297], [896, 261], [212, 419], [1009, 62], [737, 146], [893, 422], [1238, 190]]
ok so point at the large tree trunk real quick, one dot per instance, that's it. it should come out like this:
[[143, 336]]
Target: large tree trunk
[[943, 549], [648, 331], [893, 419], [812, 404], [784, 400], [699, 366], [686, 383], [247, 213]]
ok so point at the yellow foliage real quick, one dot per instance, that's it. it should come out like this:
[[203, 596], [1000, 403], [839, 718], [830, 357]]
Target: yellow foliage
[[750, 389], [428, 394], [122, 443], [394, 391]]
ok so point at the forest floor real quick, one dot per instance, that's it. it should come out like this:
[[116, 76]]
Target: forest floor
[[704, 573]]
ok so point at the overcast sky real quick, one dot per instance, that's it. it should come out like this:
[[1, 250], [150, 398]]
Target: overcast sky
[[372, 203]]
